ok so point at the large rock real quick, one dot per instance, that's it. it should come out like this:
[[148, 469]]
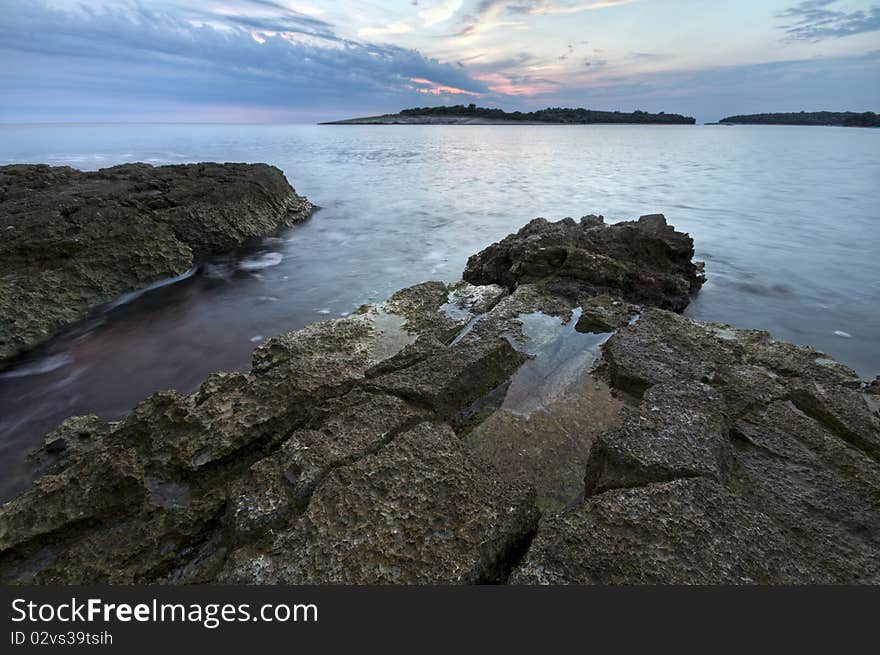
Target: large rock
[[73, 240], [679, 431], [643, 261], [687, 531], [278, 488], [742, 460], [195, 488], [537, 428], [419, 511]]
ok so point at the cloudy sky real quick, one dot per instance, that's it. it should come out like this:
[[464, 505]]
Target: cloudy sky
[[306, 60]]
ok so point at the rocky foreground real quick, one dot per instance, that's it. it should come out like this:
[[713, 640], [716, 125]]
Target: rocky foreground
[[73, 240], [549, 419]]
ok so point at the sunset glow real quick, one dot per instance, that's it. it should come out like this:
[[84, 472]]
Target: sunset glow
[[331, 60]]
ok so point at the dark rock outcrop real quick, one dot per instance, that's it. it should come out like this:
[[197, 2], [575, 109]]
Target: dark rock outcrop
[[73, 240], [686, 531], [644, 261], [543, 429]]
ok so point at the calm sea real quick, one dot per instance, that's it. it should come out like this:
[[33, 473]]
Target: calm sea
[[786, 218]]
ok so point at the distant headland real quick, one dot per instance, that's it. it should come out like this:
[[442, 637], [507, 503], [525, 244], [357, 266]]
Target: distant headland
[[473, 115], [838, 118]]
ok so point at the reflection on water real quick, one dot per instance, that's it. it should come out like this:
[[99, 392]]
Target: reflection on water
[[562, 357], [552, 411], [785, 217]]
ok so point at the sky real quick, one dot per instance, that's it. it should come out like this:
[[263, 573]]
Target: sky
[[310, 60]]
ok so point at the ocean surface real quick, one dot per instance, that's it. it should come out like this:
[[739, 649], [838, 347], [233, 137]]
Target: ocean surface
[[787, 220]]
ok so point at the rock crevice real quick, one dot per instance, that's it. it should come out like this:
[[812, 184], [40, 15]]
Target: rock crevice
[[547, 421], [716, 476]]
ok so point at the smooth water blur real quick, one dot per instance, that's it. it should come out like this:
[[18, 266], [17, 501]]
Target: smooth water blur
[[786, 218]]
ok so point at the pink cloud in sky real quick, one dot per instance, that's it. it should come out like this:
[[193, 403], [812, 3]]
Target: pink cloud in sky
[[499, 83], [427, 86]]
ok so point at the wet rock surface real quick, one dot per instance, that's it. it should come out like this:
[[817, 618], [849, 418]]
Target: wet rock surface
[[208, 483], [537, 427], [73, 240], [742, 460]]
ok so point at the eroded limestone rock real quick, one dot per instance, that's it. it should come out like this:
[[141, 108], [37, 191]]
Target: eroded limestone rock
[[746, 460], [73, 240], [418, 511], [181, 483], [686, 531], [644, 261], [534, 427]]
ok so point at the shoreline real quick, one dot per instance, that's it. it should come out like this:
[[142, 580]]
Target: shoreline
[[523, 409], [482, 121], [120, 230]]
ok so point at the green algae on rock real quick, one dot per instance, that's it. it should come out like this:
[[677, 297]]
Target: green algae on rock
[[73, 240]]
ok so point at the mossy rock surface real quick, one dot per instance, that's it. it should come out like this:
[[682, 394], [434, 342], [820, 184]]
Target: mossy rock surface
[[73, 240]]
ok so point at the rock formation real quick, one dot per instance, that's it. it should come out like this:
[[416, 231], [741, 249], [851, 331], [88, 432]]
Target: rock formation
[[545, 421], [643, 261], [73, 240], [740, 460]]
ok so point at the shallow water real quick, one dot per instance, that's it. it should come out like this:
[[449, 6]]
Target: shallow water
[[562, 356], [551, 412], [786, 219]]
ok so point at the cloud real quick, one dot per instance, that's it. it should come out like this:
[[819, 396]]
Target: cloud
[[517, 85], [486, 26], [431, 87], [282, 60], [814, 20], [648, 56], [441, 12], [270, 15], [550, 7], [481, 19], [846, 83], [133, 60], [397, 27]]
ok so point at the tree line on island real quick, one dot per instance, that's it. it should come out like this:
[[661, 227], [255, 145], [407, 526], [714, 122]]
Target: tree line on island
[[550, 115], [838, 118], [463, 114]]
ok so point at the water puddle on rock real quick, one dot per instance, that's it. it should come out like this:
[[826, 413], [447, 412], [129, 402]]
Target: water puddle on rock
[[561, 356], [552, 411], [455, 311], [389, 336]]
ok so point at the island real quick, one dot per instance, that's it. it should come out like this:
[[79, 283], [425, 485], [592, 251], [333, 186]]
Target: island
[[837, 118], [473, 115]]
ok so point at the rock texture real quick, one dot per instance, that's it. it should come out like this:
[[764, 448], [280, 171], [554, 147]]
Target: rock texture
[[537, 427], [643, 261], [746, 460], [321, 453], [73, 240]]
